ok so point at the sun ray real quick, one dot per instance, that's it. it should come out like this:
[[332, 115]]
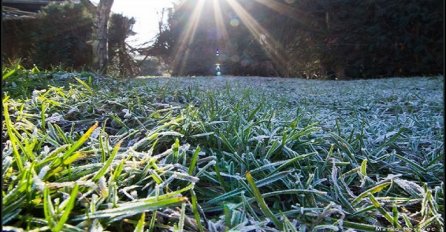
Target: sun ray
[[300, 17], [273, 49], [281, 8], [221, 28], [187, 37]]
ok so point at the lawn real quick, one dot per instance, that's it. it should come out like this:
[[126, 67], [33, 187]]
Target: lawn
[[221, 153]]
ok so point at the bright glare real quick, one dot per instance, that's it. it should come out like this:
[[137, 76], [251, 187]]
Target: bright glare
[[221, 28], [146, 14]]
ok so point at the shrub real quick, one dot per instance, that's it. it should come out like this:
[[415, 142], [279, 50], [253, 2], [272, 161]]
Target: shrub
[[62, 36]]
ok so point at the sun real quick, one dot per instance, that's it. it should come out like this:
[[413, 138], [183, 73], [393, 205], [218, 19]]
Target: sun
[[273, 49]]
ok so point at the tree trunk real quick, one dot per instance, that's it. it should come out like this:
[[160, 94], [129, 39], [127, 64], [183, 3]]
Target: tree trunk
[[102, 16]]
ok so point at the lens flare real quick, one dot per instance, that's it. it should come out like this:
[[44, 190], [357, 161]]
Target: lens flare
[[234, 22]]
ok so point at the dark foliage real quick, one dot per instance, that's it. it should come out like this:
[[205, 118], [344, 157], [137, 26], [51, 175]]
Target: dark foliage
[[17, 41], [312, 38], [121, 62], [58, 36], [382, 38], [61, 37]]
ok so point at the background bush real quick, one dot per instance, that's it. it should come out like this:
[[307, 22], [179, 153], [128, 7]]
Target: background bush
[[62, 36], [59, 36]]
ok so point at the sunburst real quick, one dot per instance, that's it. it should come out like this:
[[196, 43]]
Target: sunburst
[[273, 49], [187, 37], [221, 28]]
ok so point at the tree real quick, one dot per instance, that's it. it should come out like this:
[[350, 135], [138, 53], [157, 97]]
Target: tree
[[118, 53], [102, 16], [100, 32]]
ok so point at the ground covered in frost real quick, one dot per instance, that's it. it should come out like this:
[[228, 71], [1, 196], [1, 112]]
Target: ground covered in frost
[[222, 153]]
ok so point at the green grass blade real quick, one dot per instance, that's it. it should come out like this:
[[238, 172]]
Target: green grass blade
[[386, 215], [182, 217], [363, 169], [152, 221], [290, 161], [133, 208], [141, 223], [412, 164], [8, 74], [107, 164], [194, 160], [87, 87], [81, 141], [258, 196], [68, 208], [375, 189], [227, 216], [42, 115], [12, 137], [362, 226], [48, 208], [395, 215], [195, 210]]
